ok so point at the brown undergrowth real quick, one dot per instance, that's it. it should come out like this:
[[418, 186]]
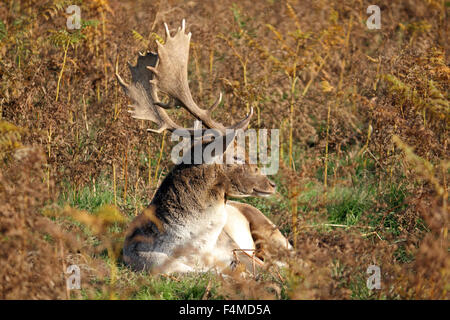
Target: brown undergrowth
[[363, 116]]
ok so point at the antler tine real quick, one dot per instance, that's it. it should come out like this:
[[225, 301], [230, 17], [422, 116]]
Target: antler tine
[[171, 77], [167, 30], [215, 104], [169, 105], [243, 124]]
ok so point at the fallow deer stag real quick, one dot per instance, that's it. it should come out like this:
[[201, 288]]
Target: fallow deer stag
[[190, 225]]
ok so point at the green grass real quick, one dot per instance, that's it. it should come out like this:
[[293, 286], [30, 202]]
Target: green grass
[[394, 199], [188, 287], [142, 286], [402, 255], [347, 205], [366, 197], [85, 198]]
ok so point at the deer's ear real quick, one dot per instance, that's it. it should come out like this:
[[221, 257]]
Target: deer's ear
[[214, 150]]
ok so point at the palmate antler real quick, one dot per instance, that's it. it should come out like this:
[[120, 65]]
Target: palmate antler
[[144, 94], [167, 72]]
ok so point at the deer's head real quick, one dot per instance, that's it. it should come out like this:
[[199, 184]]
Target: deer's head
[[166, 71], [247, 180]]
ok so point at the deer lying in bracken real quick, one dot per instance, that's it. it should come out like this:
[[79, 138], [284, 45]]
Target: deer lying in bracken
[[190, 225]]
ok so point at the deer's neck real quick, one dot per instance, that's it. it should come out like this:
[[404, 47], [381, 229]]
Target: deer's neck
[[189, 192]]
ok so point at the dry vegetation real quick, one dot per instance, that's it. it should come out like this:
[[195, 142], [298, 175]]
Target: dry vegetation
[[364, 117]]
